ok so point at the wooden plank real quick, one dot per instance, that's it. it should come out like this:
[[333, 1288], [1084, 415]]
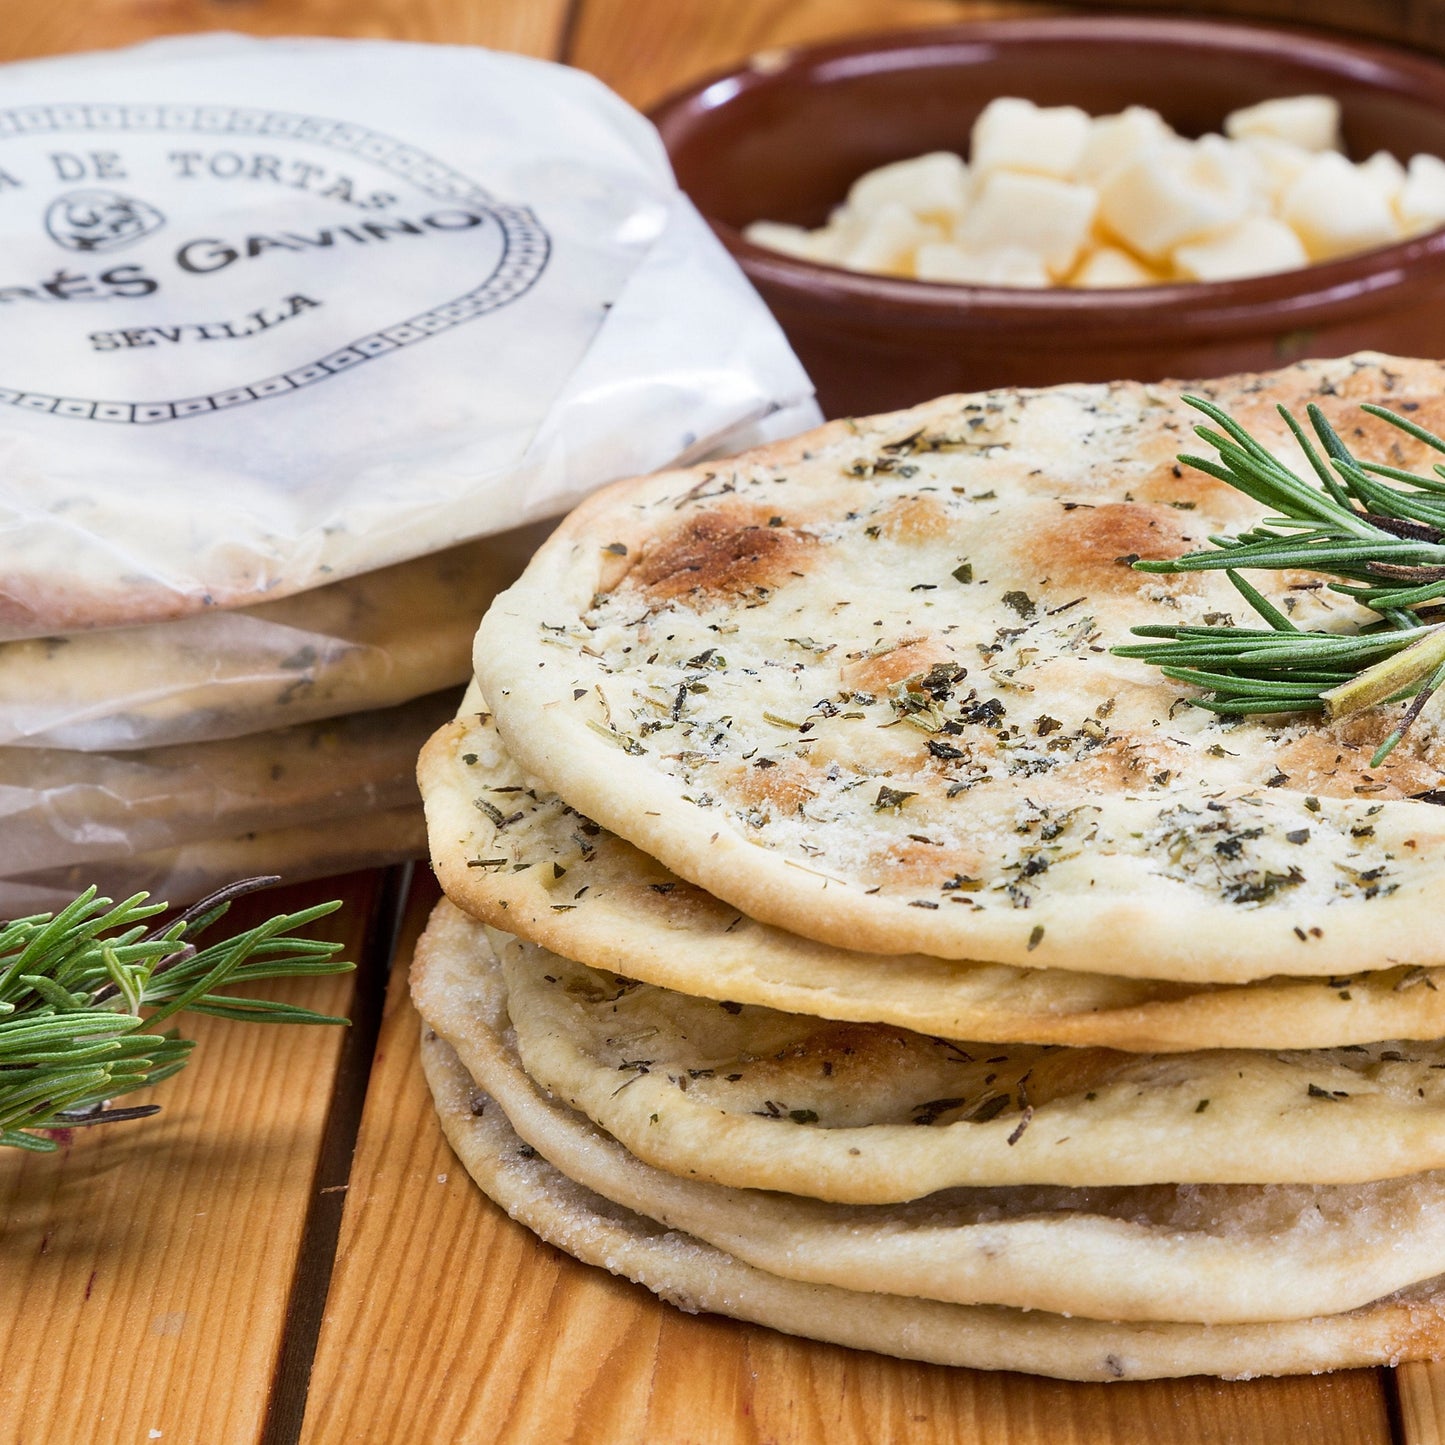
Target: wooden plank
[[1420, 1391], [147, 1266], [48, 27], [444, 1311], [682, 41], [445, 1321]]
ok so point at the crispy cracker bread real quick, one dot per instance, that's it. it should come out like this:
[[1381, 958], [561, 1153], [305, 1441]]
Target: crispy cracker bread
[[858, 685], [514, 855], [698, 1278], [1206, 1253]]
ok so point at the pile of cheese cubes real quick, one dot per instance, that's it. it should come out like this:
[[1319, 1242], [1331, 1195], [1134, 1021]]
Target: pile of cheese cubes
[[1053, 197]]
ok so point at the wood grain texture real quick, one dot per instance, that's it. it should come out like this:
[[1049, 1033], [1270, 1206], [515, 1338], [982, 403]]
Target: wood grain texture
[[1420, 1388], [146, 1266], [645, 51], [443, 1310], [50, 27]]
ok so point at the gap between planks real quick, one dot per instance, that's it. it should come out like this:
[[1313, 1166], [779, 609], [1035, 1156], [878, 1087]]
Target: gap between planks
[[317, 1252]]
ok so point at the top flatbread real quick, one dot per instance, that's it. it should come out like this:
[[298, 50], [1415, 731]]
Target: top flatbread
[[520, 859], [858, 685]]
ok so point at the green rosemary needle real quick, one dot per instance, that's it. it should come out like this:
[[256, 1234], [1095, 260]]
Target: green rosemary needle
[[1377, 531], [73, 986]]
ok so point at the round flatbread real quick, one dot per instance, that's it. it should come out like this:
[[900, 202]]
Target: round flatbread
[[698, 1278], [1205, 1253], [871, 1114], [512, 853], [859, 686]]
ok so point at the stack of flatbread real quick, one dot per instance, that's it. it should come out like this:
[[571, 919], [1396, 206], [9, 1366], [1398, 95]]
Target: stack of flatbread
[[176, 754], [840, 937]]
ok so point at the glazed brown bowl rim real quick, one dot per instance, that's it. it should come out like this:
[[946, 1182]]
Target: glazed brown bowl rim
[[1340, 286]]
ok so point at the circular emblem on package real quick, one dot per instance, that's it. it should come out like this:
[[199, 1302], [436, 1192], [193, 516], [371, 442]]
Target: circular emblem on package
[[216, 256]]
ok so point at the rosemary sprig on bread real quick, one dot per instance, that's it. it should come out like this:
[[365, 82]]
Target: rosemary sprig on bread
[[1376, 530]]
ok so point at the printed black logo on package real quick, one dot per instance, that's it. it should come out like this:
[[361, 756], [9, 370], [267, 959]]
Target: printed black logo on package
[[254, 252]]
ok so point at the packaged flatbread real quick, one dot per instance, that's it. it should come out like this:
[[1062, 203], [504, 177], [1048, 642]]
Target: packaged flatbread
[[367, 642], [327, 844], [363, 643], [61, 808], [277, 312]]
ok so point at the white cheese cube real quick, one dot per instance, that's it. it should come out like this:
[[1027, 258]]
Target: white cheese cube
[[934, 185], [944, 261], [1277, 164], [885, 240], [844, 228], [1335, 210], [1109, 267], [1386, 174], [1311, 122], [1229, 166], [1017, 135], [827, 243], [1009, 266], [1256, 246], [1048, 218], [831, 241], [1115, 139], [1422, 198], [790, 240], [1164, 198], [1212, 158]]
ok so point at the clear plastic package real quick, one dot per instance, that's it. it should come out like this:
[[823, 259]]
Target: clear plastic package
[[279, 312], [366, 642], [59, 808]]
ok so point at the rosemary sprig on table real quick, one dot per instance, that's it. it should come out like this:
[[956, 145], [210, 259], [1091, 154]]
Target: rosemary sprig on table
[[1382, 540], [73, 986]]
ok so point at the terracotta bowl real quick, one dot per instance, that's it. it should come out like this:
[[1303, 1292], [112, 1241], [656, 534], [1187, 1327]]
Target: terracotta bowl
[[782, 138]]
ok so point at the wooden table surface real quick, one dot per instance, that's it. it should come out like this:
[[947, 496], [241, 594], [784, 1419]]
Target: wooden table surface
[[290, 1251]]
